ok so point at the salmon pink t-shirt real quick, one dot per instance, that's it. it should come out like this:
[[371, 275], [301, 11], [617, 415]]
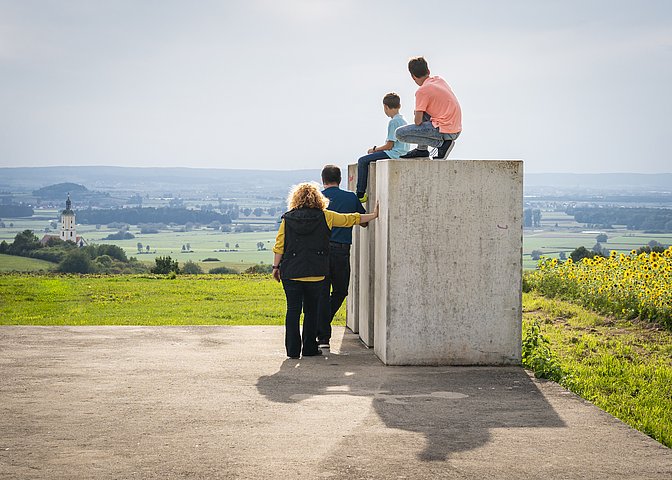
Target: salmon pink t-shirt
[[437, 99]]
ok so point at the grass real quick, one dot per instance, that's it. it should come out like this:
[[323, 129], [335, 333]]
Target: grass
[[624, 367], [143, 300], [11, 263]]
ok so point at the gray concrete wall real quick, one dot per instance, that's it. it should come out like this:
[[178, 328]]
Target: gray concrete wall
[[367, 268], [447, 262], [352, 302]]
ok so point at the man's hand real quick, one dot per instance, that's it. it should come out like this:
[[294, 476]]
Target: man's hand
[[370, 151], [276, 274]]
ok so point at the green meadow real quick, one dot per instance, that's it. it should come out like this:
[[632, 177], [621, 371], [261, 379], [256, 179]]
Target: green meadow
[[142, 300], [11, 263]]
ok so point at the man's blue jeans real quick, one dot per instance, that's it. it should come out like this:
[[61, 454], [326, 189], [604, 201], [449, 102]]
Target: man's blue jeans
[[363, 170], [424, 135]]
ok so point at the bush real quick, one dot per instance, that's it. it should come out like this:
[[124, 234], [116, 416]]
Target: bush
[[191, 268], [76, 262], [165, 265], [222, 271], [211, 259], [260, 269], [120, 235]]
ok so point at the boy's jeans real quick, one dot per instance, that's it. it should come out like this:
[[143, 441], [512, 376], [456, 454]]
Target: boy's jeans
[[363, 170], [423, 135]]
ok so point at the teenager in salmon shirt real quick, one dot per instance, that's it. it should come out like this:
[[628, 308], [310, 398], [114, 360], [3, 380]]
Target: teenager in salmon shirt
[[438, 116]]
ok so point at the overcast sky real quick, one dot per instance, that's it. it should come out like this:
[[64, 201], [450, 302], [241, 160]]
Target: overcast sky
[[567, 86]]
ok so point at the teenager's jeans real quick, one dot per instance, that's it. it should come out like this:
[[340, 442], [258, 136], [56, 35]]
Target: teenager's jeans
[[423, 135], [363, 169], [301, 296], [335, 288]]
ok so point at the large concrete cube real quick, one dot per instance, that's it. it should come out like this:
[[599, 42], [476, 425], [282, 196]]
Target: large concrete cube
[[444, 262]]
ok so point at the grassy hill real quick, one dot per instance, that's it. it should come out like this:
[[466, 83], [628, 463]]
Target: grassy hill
[[10, 263]]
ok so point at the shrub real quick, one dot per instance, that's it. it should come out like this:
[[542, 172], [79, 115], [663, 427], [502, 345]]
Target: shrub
[[211, 259], [191, 268], [76, 262], [165, 265], [222, 270], [260, 269], [537, 355]]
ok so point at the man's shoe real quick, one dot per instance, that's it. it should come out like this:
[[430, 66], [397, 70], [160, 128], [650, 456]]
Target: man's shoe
[[415, 153], [293, 357], [444, 149], [323, 343], [313, 354], [363, 198]]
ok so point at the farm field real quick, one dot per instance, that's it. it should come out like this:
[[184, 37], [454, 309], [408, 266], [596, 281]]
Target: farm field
[[204, 243]]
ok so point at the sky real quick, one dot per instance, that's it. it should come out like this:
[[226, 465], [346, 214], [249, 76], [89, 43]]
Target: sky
[[566, 86]]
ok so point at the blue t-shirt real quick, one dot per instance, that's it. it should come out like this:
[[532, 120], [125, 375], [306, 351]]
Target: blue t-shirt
[[342, 201], [399, 148]]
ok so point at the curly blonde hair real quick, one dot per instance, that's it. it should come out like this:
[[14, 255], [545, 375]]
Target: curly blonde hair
[[306, 195]]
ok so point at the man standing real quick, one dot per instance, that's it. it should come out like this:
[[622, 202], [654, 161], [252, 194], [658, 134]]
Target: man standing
[[336, 287]]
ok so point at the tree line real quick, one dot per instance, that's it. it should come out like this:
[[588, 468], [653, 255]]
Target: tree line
[[138, 215], [654, 220]]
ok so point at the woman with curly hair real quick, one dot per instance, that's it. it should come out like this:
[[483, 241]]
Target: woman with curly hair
[[302, 261]]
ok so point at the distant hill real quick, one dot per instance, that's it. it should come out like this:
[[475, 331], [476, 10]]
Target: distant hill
[[276, 182], [60, 190]]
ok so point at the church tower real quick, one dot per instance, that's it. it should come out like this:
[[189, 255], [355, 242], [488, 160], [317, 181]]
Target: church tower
[[68, 222]]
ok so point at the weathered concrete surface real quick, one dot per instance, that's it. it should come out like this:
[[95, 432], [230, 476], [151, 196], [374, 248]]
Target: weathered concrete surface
[[352, 305], [224, 402], [366, 247], [448, 244]]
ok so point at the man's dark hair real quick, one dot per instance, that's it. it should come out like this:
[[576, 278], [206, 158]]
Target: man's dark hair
[[392, 100], [418, 67], [331, 174]]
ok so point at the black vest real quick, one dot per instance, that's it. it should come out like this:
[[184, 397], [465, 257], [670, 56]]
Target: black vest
[[306, 244]]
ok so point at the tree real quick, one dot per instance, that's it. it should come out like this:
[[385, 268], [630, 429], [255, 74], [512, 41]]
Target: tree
[[237, 246], [536, 254], [258, 212], [527, 218], [147, 247], [139, 247], [165, 265], [226, 245], [191, 268], [4, 246], [562, 256], [602, 238], [24, 242], [536, 217], [188, 247], [76, 262], [582, 252]]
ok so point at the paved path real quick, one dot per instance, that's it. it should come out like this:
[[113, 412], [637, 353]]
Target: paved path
[[224, 402]]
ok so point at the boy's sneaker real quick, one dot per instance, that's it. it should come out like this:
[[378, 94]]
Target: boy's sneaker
[[416, 153], [363, 198], [444, 149]]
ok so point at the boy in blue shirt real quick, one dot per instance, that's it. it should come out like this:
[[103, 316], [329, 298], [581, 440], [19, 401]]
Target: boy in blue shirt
[[392, 148]]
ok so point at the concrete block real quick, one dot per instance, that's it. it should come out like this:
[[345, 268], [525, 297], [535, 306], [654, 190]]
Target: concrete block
[[447, 262], [367, 270], [352, 301]]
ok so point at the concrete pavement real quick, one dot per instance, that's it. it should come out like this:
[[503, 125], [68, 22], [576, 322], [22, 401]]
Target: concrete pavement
[[225, 402]]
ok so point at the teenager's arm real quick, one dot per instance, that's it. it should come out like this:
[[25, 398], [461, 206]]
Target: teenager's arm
[[418, 117], [388, 146]]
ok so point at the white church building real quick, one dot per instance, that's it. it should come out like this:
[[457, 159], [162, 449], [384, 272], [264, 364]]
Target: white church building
[[68, 227]]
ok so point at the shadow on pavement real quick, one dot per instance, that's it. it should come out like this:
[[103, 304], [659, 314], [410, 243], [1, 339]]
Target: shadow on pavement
[[454, 408]]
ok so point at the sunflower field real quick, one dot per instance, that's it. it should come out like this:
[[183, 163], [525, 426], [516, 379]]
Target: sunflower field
[[623, 286]]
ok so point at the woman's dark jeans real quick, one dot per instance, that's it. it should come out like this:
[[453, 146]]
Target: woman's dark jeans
[[301, 296]]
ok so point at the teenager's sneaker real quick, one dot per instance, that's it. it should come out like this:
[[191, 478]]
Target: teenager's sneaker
[[323, 343], [416, 153], [363, 198], [444, 149]]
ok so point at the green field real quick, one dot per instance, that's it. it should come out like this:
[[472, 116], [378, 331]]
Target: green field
[[143, 300], [558, 233], [10, 263]]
